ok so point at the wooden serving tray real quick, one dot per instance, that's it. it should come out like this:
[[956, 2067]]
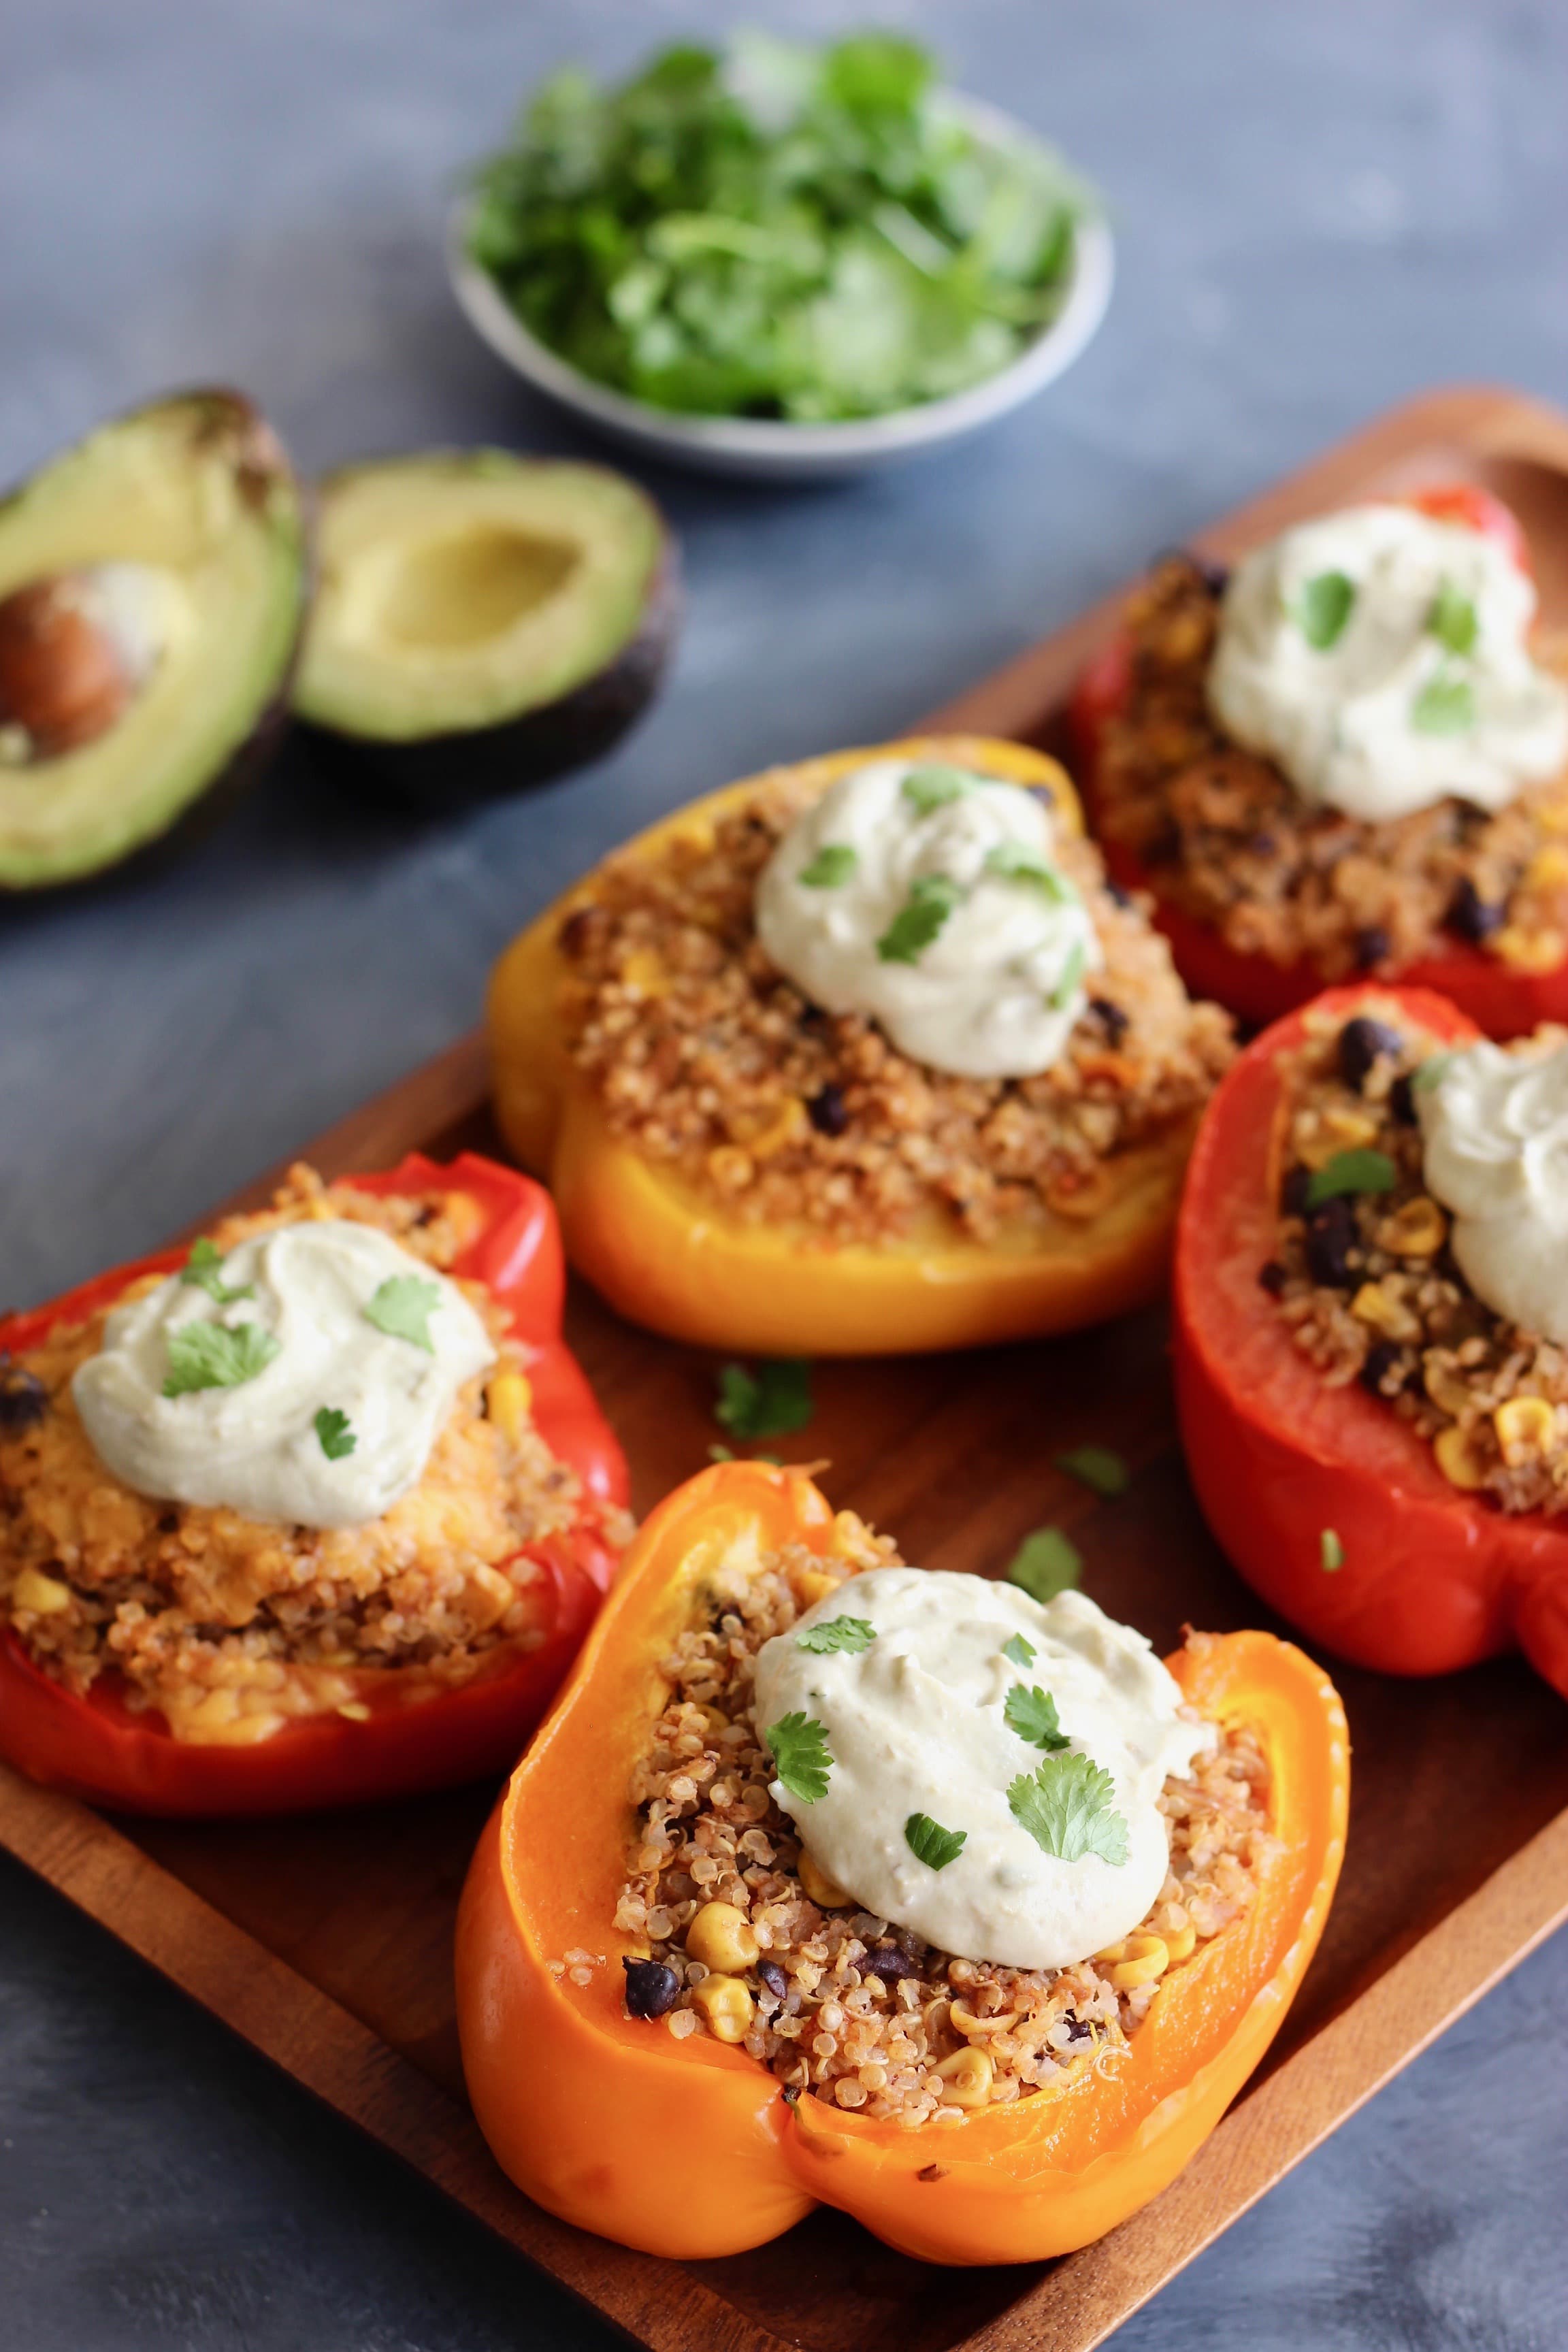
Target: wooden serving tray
[[325, 1943]]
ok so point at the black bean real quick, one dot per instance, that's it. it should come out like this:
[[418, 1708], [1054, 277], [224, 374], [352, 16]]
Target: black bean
[[1214, 575], [1117, 894], [1330, 1236], [1079, 2029], [1378, 1362], [1272, 1277], [1373, 945], [652, 1989], [1293, 1191], [1262, 845], [889, 1962], [1111, 1017], [1361, 1042], [829, 1111], [1402, 1100], [24, 1399], [773, 1977], [1471, 916]]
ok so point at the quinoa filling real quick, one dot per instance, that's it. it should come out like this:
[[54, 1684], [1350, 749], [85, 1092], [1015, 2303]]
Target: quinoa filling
[[837, 2003], [1367, 1283], [230, 1627], [704, 1056], [1236, 847]]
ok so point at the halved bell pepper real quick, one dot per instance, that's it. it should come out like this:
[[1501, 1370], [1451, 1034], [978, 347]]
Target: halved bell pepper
[[1428, 1578], [668, 1256], [689, 2149], [1502, 1001], [98, 1749]]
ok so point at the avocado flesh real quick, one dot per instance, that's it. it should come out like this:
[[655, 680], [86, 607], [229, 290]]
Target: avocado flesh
[[195, 496], [512, 613]]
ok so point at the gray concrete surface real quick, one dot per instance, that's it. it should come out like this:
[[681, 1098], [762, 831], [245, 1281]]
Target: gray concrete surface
[[1320, 210]]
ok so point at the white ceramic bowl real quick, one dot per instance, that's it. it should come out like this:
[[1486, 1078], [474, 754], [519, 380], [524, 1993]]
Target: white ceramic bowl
[[773, 450]]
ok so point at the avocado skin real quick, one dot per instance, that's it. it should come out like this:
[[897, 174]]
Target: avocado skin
[[232, 413], [435, 773]]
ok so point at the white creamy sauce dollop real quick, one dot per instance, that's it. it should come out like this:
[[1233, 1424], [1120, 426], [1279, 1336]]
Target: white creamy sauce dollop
[[1388, 717], [1495, 1126], [996, 991], [915, 1724], [255, 1448]]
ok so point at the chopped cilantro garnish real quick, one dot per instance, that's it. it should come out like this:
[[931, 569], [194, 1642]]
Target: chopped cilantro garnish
[[769, 1403], [1445, 706], [338, 1440], [402, 1306], [1021, 1652], [1066, 1806], [1032, 1714], [204, 1268], [1097, 1467], [1331, 1550], [831, 867], [798, 1746], [1015, 863], [1429, 1074], [851, 1634], [933, 786], [1350, 1172], [721, 1453], [1325, 607], [931, 1843], [932, 899], [1453, 619], [1068, 980], [1045, 1564], [211, 1356]]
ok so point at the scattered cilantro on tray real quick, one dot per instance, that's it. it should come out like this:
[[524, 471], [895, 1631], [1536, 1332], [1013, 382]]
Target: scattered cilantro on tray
[[1097, 1467], [771, 1402]]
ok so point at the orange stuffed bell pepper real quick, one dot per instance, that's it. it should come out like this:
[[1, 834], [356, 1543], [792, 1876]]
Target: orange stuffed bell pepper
[[689, 2073], [171, 1658], [1357, 1504], [1503, 960], [735, 1166]]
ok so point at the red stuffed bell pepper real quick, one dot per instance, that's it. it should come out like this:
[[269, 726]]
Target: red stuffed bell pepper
[[1505, 995], [1377, 1542], [366, 1724]]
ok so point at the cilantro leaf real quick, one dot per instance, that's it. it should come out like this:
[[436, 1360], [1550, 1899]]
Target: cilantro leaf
[[338, 1439], [1453, 619], [402, 1306], [1350, 1172], [211, 1356], [1330, 1551], [931, 1843], [1032, 1714], [934, 784], [831, 867], [1069, 978], [851, 1634], [1445, 706], [932, 899], [1066, 1806], [1021, 1652], [1097, 1467], [1326, 603], [1429, 1073], [769, 1403], [204, 1269], [1015, 863], [798, 1746], [1045, 1564]]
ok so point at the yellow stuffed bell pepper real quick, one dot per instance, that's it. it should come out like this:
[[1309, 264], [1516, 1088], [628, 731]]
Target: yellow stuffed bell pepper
[[683, 2144], [667, 1253]]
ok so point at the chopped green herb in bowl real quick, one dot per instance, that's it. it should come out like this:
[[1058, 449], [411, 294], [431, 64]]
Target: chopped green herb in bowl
[[733, 250]]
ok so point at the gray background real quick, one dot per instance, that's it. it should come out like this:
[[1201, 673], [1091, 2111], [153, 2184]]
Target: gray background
[[1320, 209]]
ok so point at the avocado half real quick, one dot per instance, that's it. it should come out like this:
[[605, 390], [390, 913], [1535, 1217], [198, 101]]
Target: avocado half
[[152, 589], [484, 622]]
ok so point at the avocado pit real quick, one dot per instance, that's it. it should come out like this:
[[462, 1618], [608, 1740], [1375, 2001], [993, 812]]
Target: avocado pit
[[76, 649]]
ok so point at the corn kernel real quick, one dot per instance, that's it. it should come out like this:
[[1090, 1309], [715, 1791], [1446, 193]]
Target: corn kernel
[[1459, 1460], [40, 1593], [1525, 950], [1443, 1384], [1548, 869], [814, 1586], [1179, 1943], [851, 1535], [1524, 1425], [506, 1402], [1083, 1194], [1135, 1960], [355, 1710], [725, 2007], [1376, 1305], [721, 1937], [825, 1892], [966, 2020], [968, 2075], [644, 971], [730, 1168], [780, 1127], [1419, 1229], [1553, 815]]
